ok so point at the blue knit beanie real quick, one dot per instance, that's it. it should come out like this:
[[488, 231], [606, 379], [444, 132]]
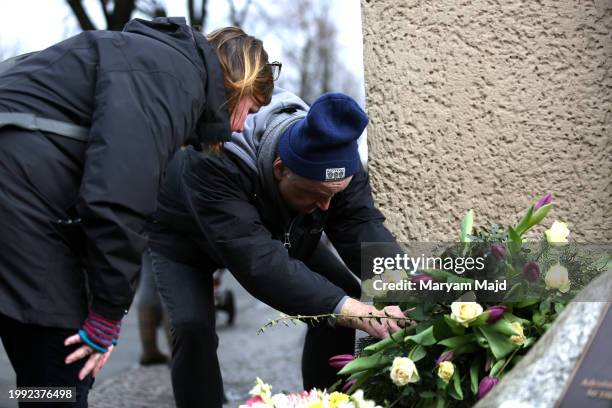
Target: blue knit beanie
[[323, 145]]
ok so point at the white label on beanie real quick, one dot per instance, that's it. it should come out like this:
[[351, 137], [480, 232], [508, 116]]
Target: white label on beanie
[[335, 174]]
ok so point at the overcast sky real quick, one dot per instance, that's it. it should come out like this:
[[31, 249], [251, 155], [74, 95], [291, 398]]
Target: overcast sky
[[30, 25]]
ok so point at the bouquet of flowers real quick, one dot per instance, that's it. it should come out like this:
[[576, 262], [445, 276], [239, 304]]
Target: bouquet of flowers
[[261, 397], [460, 346]]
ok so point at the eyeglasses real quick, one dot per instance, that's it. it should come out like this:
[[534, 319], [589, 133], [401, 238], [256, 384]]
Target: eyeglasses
[[275, 67]]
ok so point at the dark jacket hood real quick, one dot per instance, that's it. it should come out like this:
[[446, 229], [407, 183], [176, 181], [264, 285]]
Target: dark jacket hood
[[172, 31], [213, 125]]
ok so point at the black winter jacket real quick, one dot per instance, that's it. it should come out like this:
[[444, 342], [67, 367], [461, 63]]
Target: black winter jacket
[[142, 93], [213, 212]]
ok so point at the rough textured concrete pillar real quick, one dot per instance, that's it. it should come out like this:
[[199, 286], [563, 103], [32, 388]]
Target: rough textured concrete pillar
[[488, 105]]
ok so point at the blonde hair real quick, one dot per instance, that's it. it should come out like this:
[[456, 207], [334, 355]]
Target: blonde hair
[[244, 62]]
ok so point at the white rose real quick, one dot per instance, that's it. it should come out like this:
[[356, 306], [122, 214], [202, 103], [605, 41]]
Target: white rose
[[557, 234], [446, 369], [465, 312], [556, 278], [403, 371]]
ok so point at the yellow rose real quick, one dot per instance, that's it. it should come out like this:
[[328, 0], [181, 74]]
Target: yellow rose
[[557, 234], [556, 278], [520, 338], [403, 371], [337, 398], [465, 312], [446, 369]]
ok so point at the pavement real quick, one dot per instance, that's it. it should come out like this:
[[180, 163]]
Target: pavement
[[274, 356]]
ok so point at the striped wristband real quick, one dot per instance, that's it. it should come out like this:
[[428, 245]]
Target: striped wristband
[[99, 332]]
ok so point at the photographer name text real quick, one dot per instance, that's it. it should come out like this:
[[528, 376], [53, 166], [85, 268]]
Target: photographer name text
[[430, 285]]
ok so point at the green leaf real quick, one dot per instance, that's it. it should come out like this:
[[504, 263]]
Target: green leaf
[[529, 342], [427, 394], [496, 367], [466, 226], [418, 313], [394, 339], [417, 353], [456, 327], [441, 330], [503, 326], [526, 303], [455, 391], [537, 318], [524, 223], [474, 369], [559, 307], [424, 338], [545, 307], [515, 292], [499, 344], [365, 363], [360, 381], [480, 320], [514, 236], [539, 215], [457, 341], [467, 348]]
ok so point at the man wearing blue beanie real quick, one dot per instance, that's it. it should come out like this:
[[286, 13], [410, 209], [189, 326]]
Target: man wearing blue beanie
[[259, 210]]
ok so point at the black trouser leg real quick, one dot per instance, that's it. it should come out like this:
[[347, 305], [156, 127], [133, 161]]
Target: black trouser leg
[[37, 355], [323, 341], [188, 295]]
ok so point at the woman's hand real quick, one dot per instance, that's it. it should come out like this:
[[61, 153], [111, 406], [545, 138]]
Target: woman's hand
[[95, 361], [352, 309]]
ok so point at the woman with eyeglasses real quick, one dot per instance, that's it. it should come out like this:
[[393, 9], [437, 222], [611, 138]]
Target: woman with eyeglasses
[[87, 127]]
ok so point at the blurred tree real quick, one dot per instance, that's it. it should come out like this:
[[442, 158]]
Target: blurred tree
[[309, 38], [117, 12], [197, 17], [238, 17]]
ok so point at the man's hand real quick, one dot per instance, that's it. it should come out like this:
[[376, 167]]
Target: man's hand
[[352, 309], [94, 363]]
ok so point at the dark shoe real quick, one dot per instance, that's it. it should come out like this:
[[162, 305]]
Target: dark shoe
[[153, 359]]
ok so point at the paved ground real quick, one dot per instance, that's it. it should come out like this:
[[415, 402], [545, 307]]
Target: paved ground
[[274, 356]]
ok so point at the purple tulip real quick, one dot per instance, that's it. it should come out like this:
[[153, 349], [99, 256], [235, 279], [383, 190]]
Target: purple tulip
[[486, 385], [547, 199], [495, 313], [422, 277], [348, 385], [531, 270], [498, 250], [445, 357], [340, 360]]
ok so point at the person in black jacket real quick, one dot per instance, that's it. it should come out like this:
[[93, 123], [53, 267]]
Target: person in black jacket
[[72, 213], [260, 210]]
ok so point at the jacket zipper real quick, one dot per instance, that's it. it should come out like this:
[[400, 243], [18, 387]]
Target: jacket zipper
[[287, 242]]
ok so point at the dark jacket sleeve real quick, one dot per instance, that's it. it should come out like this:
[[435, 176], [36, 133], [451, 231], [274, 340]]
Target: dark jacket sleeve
[[131, 138], [354, 220], [232, 227]]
